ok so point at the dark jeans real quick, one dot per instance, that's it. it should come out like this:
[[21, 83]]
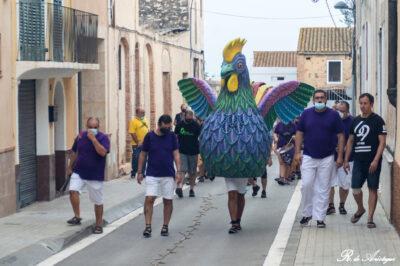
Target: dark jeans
[[135, 161]]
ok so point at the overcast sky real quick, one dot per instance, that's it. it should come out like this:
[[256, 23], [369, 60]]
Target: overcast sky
[[261, 34]]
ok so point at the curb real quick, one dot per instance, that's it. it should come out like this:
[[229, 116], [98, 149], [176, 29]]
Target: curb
[[46, 248]]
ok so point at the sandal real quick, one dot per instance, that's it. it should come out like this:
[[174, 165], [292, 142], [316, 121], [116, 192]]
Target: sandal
[[235, 227], [356, 217], [164, 230], [371, 224], [97, 230], [74, 221], [147, 231]]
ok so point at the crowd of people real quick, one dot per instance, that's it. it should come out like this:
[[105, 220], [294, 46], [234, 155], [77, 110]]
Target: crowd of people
[[324, 147]]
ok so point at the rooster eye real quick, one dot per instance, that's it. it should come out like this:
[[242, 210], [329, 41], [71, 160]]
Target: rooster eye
[[240, 65]]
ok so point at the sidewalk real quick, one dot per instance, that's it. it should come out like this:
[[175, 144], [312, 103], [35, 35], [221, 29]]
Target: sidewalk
[[40, 230], [343, 243]]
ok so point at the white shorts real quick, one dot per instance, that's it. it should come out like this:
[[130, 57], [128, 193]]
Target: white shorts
[[340, 178], [160, 187], [236, 184], [95, 188]]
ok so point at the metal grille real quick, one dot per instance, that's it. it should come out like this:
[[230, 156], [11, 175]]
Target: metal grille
[[27, 179], [31, 30], [71, 34]]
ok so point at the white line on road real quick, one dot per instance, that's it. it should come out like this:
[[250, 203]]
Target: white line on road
[[278, 247], [62, 255]]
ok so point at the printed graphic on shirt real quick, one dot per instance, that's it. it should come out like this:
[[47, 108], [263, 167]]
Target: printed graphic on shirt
[[366, 133]]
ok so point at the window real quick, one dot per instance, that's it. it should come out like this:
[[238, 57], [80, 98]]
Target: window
[[196, 71], [277, 78], [334, 72]]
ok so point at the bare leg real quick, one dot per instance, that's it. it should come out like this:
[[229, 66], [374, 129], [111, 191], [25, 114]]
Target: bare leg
[[240, 206], [372, 200], [332, 195], [359, 200], [98, 211], [148, 209], [180, 184], [343, 193], [233, 204], [192, 180], [264, 183], [168, 207], [74, 199]]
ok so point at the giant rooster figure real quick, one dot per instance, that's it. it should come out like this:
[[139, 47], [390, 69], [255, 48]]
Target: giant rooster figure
[[235, 139]]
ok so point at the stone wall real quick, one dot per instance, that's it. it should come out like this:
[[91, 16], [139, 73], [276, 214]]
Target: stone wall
[[312, 69], [164, 16], [395, 211], [8, 202]]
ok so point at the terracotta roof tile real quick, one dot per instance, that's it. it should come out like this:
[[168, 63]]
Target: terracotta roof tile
[[325, 41], [275, 59]]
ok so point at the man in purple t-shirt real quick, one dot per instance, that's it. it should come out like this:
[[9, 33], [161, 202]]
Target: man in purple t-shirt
[[86, 168], [161, 149], [321, 130]]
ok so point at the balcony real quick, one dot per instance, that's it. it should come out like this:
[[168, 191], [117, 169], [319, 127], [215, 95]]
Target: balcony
[[51, 32]]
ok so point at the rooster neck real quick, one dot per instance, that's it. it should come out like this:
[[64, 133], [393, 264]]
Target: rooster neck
[[241, 99]]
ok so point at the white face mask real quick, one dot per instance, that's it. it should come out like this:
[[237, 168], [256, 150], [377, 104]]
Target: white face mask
[[94, 131]]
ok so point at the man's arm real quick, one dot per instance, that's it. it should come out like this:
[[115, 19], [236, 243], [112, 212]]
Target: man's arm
[[72, 160], [298, 143], [177, 161], [142, 158], [378, 155], [339, 161], [134, 137], [349, 149], [381, 147], [97, 145]]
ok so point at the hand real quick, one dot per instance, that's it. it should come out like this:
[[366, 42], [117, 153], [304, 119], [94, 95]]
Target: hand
[[178, 177], [91, 136], [346, 167], [69, 171], [139, 178], [373, 167], [297, 159], [270, 162], [339, 162]]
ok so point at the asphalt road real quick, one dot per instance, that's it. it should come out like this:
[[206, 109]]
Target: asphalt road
[[198, 232]]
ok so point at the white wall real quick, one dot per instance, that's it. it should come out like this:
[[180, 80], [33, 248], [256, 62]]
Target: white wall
[[269, 74]]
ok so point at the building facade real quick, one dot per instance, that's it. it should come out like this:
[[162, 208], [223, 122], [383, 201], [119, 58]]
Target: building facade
[[146, 48], [324, 60], [7, 129], [73, 60], [377, 52], [275, 67]]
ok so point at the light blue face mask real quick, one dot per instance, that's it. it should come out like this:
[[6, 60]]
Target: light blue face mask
[[319, 106], [94, 131]]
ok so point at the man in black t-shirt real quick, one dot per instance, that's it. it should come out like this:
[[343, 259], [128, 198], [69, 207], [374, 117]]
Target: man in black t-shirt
[[188, 132], [367, 141], [180, 116]]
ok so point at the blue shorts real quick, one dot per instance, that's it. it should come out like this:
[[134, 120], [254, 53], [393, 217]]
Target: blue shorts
[[361, 174]]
